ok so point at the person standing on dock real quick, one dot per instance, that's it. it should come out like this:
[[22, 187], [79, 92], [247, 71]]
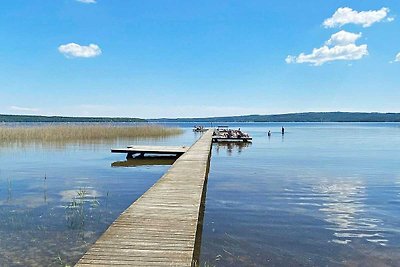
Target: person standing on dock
[[283, 131]]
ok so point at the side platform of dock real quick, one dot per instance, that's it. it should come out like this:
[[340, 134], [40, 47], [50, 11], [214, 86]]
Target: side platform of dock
[[163, 227], [157, 150]]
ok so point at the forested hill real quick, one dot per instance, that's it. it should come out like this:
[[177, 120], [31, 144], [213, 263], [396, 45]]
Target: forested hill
[[33, 118], [299, 117], [290, 117]]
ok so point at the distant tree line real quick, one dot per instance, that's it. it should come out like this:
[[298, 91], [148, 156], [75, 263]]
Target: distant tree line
[[33, 118], [290, 117], [300, 117]]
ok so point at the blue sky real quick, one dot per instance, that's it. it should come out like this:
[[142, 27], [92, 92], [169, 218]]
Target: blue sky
[[169, 58]]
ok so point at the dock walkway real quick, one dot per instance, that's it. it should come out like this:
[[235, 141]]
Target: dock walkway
[[163, 227]]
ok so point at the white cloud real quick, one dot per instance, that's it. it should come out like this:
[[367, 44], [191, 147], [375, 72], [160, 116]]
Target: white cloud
[[87, 1], [397, 59], [346, 15], [290, 59], [341, 46], [23, 109], [343, 38], [325, 54], [76, 50]]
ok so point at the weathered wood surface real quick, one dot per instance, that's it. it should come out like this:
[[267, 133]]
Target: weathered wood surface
[[151, 149], [162, 227]]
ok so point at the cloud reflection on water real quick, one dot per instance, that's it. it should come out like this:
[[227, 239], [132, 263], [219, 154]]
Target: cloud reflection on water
[[343, 206], [69, 195]]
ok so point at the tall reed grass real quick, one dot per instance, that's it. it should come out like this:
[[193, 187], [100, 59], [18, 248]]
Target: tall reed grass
[[82, 133]]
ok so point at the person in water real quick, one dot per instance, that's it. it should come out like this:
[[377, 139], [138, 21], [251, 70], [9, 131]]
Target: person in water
[[269, 133], [283, 130]]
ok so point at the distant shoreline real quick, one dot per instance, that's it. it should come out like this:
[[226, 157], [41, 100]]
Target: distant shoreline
[[297, 117], [289, 117], [38, 118]]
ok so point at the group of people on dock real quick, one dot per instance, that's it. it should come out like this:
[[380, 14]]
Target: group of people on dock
[[231, 133], [225, 133]]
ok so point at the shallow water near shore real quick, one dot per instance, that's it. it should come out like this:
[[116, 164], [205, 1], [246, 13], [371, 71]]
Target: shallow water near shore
[[324, 194]]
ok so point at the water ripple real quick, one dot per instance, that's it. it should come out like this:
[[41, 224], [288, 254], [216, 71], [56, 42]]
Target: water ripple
[[343, 207]]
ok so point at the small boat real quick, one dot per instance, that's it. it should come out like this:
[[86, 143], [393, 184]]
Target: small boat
[[199, 129]]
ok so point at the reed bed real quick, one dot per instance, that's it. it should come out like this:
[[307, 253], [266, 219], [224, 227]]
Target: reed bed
[[82, 133]]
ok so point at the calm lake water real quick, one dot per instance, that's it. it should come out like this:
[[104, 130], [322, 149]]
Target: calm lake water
[[324, 194]]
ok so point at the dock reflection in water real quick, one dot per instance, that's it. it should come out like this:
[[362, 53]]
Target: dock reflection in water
[[145, 161], [231, 147]]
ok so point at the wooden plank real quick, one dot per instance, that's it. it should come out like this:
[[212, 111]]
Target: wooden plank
[[162, 227]]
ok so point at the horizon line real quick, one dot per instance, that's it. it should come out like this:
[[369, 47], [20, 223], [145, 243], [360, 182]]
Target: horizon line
[[208, 117]]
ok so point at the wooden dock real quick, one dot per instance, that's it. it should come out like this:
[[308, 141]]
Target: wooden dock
[[163, 227], [159, 150], [217, 139]]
